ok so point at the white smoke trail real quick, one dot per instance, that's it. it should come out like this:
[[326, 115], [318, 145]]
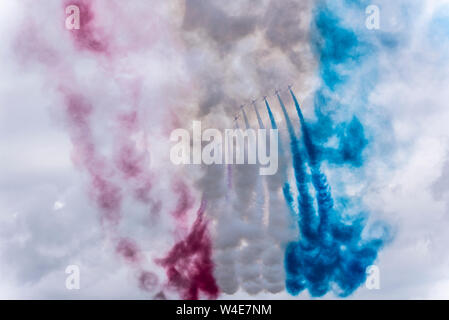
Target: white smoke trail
[[247, 49]]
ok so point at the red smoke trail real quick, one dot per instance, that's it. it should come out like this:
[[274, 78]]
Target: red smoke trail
[[105, 192], [113, 178], [189, 265], [128, 163], [132, 163], [184, 204], [185, 201], [88, 36]]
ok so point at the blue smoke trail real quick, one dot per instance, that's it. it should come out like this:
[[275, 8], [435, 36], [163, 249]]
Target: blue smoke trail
[[331, 253], [319, 180], [307, 217], [311, 151], [334, 252], [341, 51], [270, 115], [286, 190]]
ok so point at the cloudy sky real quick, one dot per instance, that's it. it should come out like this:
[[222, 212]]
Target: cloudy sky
[[86, 117]]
